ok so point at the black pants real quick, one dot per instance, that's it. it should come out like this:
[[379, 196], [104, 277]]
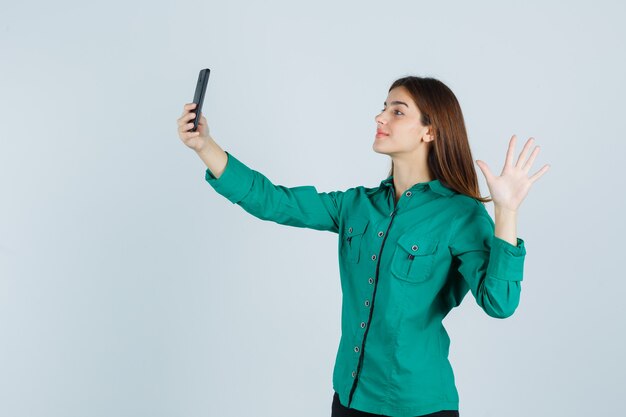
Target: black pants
[[339, 410]]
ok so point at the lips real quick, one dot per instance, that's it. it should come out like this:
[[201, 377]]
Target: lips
[[381, 133]]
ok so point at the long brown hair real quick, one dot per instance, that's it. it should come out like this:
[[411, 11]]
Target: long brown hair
[[449, 157]]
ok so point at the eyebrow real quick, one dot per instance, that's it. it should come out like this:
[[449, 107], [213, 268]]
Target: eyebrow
[[397, 102]]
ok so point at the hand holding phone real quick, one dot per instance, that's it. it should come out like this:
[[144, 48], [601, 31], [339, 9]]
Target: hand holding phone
[[200, 141], [198, 97], [192, 125]]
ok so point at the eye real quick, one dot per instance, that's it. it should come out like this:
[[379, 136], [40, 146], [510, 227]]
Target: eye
[[395, 111]]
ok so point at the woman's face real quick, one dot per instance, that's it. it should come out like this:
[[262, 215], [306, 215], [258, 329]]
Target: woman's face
[[400, 123]]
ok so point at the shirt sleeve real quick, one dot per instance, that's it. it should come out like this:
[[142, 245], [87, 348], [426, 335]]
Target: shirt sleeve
[[492, 267], [301, 206]]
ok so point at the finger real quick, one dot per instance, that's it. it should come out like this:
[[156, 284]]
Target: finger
[[485, 170], [185, 127], [184, 120], [187, 107], [508, 160], [184, 116], [530, 161], [522, 156], [190, 135], [539, 173]]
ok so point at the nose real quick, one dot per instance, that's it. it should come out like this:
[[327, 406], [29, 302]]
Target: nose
[[379, 118]]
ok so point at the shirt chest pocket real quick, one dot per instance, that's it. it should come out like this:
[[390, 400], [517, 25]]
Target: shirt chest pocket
[[352, 238], [413, 257]]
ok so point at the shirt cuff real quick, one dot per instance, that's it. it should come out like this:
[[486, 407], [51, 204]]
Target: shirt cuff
[[235, 182], [506, 261]]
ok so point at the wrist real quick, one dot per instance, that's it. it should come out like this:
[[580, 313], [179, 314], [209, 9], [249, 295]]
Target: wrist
[[206, 150], [505, 224], [504, 210]]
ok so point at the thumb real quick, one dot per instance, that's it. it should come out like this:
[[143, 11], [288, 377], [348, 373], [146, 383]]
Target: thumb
[[485, 169]]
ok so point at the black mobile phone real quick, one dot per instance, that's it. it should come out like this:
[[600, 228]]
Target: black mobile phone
[[198, 97]]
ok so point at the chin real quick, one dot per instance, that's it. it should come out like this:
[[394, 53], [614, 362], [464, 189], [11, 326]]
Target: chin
[[380, 151], [380, 148]]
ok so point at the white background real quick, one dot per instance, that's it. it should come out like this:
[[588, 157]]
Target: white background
[[129, 287]]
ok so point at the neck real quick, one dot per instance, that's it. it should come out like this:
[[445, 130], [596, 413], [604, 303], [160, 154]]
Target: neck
[[408, 173]]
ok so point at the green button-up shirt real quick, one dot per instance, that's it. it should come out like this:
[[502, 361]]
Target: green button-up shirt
[[403, 267]]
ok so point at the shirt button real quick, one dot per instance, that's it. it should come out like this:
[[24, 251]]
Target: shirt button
[[371, 280], [414, 247], [353, 374], [367, 303], [380, 234], [356, 348], [363, 325], [373, 257], [350, 230], [408, 194]]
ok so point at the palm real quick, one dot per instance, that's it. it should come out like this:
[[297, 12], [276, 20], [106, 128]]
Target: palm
[[510, 188]]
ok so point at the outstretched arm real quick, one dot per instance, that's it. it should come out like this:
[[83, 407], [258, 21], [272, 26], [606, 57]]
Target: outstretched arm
[[301, 206], [296, 206]]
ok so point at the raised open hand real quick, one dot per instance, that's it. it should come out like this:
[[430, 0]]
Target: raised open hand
[[511, 187]]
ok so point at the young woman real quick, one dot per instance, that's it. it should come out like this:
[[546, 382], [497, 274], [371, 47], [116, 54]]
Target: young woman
[[409, 249]]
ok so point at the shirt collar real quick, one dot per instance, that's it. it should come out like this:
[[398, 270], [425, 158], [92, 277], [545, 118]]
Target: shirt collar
[[435, 185]]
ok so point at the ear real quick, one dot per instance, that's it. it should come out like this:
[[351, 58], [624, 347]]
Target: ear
[[429, 135]]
